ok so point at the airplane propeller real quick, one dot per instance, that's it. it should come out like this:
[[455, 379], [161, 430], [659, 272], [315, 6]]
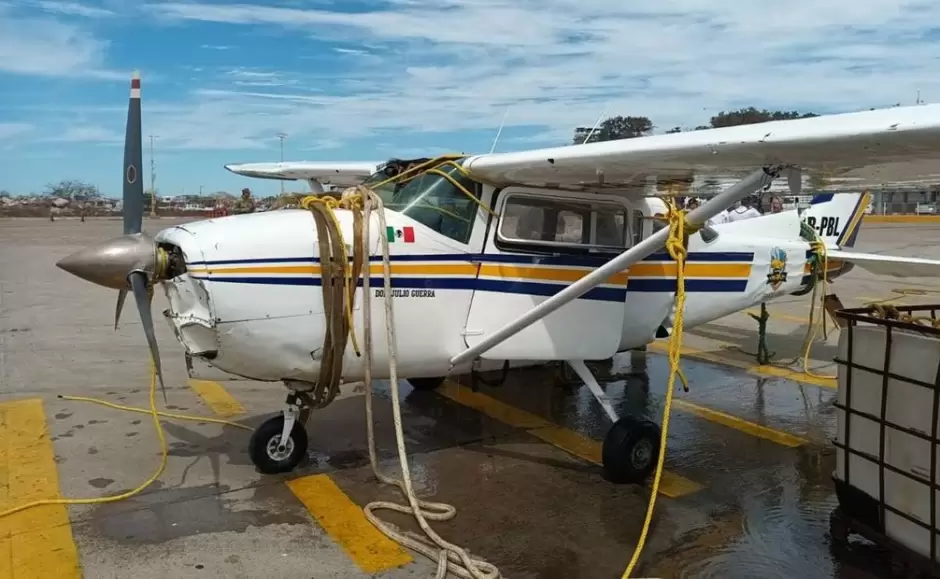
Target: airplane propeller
[[132, 262]]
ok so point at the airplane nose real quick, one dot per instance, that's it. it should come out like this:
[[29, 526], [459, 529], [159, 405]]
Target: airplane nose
[[109, 263]]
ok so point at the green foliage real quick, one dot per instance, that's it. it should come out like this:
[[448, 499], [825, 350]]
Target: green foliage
[[615, 128], [621, 127], [752, 116], [69, 189]]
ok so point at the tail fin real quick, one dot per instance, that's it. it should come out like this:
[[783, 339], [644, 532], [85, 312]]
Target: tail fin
[[837, 217]]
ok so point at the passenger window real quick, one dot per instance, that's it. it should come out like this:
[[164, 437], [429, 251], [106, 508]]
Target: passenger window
[[659, 222], [561, 222], [570, 228], [637, 226]]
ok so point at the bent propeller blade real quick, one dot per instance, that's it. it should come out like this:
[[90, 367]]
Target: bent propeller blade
[[138, 281], [122, 295]]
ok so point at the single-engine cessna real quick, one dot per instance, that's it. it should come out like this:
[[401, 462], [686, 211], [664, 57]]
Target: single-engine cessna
[[531, 256]]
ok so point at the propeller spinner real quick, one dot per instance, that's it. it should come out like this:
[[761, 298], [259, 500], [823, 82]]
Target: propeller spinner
[[131, 262]]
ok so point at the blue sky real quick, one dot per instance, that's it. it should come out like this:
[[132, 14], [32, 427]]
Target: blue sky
[[362, 80]]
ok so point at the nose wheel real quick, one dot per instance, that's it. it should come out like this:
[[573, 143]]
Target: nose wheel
[[280, 443]]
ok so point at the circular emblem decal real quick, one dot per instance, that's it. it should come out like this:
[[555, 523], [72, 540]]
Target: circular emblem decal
[[131, 174]]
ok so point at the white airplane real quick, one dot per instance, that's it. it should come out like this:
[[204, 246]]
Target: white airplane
[[551, 256]]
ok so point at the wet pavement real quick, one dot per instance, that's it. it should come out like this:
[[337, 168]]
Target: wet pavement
[[747, 492]]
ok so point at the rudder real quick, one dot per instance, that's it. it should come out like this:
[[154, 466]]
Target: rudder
[[837, 217]]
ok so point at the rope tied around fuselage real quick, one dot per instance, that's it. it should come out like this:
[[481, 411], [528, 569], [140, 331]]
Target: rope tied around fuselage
[[361, 201]]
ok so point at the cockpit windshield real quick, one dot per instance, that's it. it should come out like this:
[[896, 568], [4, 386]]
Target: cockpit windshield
[[435, 198]]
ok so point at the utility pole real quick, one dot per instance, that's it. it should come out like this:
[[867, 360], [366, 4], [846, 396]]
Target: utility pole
[[153, 179], [282, 136]]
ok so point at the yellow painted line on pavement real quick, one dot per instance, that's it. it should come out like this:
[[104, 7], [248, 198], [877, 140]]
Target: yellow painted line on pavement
[[745, 426], [920, 219], [35, 543], [764, 371], [345, 523], [671, 485], [217, 398]]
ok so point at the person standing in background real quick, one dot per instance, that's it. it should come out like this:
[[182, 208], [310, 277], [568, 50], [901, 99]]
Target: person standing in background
[[744, 210], [244, 205]]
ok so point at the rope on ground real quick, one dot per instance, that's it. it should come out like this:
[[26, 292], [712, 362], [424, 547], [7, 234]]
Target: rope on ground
[[676, 245], [362, 201], [156, 414]]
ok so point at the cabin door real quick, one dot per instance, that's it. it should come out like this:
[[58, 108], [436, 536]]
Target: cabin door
[[539, 245], [650, 297]]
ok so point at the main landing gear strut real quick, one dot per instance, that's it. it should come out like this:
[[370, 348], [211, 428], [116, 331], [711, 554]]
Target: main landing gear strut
[[631, 447]]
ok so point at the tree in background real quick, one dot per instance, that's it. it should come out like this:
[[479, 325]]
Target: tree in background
[[615, 128], [71, 190], [752, 116], [621, 127]]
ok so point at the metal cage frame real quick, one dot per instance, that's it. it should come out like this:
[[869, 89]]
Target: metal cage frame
[[858, 512]]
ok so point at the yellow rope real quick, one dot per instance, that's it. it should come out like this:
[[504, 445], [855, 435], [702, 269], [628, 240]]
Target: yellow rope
[[450, 557], [156, 414], [676, 245], [881, 308]]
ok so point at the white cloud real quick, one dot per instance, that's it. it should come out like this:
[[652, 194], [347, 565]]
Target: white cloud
[[451, 65], [87, 134], [46, 47], [72, 9], [11, 130]]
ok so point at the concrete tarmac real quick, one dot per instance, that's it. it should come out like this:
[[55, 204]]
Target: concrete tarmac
[[747, 491]]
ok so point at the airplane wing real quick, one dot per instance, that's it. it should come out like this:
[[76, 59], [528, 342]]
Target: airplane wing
[[870, 147], [888, 264], [339, 174]]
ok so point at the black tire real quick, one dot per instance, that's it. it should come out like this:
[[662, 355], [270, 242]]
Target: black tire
[[630, 450], [426, 384], [263, 452], [838, 529]]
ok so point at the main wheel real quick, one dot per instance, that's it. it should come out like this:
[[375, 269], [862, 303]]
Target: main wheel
[[269, 455], [426, 384], [838, 529], [630, 450]]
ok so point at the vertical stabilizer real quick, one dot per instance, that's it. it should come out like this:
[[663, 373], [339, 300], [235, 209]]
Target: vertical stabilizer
[[837, 217], [133, 193]]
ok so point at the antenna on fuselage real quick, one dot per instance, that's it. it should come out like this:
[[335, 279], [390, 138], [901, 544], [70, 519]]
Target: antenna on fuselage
[[500, 131]]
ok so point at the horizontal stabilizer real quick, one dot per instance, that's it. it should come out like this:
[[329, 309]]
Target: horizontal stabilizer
[[889, 264]]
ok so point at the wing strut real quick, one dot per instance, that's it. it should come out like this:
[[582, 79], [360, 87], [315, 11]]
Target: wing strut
[[756, 180]]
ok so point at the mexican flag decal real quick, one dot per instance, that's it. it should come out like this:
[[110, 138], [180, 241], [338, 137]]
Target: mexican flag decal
[[406, 234]]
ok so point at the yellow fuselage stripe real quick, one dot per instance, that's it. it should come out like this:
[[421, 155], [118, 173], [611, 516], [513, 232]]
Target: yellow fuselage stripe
[[535, 273]]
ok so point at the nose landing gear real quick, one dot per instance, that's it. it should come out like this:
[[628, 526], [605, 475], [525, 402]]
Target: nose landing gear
[[280, 443]]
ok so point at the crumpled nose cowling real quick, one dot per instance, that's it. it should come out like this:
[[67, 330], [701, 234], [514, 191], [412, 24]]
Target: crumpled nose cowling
[[109, 263]]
